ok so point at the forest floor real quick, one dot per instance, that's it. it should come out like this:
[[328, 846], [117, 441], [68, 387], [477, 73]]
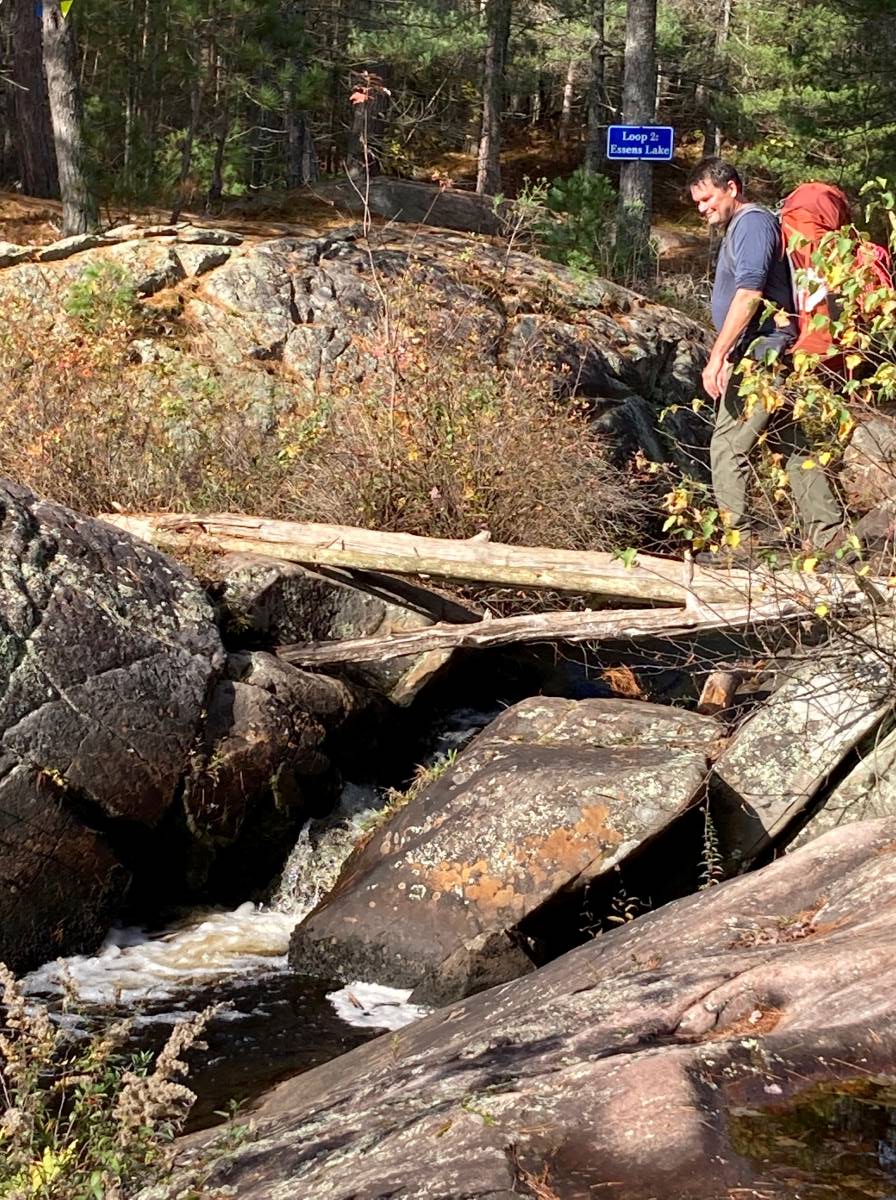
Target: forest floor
[[681, 238]]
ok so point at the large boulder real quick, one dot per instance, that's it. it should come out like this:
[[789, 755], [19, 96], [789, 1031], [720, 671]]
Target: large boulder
[[553, 794], [282, 603], [868, 475], [739, 1042], [107, 654], [868, 791], [312, 309], [262, 765], [824, 706]]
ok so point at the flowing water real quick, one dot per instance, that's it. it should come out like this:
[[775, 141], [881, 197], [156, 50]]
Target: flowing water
[[269, 1022]]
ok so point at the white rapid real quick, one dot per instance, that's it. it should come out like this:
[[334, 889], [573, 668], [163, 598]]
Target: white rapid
[[205, 955], [137, 967]]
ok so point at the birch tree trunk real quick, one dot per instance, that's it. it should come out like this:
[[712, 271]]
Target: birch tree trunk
[[79, 211], [566, 107]]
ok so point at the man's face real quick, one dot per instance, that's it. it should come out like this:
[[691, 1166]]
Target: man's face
[[717, 205]]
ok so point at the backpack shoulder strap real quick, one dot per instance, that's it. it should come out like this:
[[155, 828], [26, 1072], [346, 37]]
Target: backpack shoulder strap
[[725, 249]]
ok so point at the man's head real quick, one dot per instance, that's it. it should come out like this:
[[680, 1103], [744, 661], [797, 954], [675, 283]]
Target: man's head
[[717, 190]]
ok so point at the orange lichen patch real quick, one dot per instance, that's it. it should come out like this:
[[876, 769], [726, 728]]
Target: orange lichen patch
[[571, 848], [471, 880], [491, 893]]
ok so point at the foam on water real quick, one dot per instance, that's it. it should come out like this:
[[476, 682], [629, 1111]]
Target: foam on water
[[372, 1006], [133, 964]]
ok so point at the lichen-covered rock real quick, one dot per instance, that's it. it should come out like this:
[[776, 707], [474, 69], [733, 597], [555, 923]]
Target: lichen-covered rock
[[824, 706], [313, 309], [868, 476], [245, 309], [737, 1042], [551, 795], [262, 744], [107, 653], [867, 792]]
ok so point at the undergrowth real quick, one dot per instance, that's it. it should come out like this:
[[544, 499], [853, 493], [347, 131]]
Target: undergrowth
[[81, 1118], [437, 439]]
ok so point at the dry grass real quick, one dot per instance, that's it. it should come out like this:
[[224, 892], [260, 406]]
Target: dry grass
[[437, 440], [82, 1118]]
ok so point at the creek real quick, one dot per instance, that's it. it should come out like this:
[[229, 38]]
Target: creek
[[268, 1021]]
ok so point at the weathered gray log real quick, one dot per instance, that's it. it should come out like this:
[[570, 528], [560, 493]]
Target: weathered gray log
[[629, 624], [648, 580]]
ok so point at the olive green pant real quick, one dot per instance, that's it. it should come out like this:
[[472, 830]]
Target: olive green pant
[[734, 438]]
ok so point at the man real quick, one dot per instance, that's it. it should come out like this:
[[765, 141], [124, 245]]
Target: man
[[752, 270]]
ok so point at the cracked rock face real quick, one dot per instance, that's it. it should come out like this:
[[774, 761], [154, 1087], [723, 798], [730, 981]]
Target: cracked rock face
[[777, 764], [107, 653], [683, 1056], [312, 310], [550, 796]]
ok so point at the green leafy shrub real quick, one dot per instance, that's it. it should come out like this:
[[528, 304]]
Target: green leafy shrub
[[102, 296]]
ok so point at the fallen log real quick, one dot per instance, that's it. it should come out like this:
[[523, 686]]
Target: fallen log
[[646, 579], [630, 625]]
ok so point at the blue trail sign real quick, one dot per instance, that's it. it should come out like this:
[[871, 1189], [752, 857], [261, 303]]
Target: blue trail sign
[[641, 141]]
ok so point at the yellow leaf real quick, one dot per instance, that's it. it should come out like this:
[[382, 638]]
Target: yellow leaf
[[821, 610], [825, 457], [809, 465], [696, 404], [809, 565], [732, 538], [853, 361]]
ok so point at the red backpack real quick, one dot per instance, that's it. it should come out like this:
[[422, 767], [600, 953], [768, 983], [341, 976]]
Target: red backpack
[[811, 211]]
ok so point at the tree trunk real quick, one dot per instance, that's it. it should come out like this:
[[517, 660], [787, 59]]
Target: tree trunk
[[186, 155], [216, 186], [722, 32], [79, 211], [617, 626], [566, 107], [363, 159], [638, 108], [30, 104], [301, 156], [647, 581], [594, 139], [488, 175]]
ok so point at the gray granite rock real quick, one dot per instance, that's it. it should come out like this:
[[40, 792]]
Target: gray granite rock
[[739, 1042], [107, 653], [553, 794], [823, 707]]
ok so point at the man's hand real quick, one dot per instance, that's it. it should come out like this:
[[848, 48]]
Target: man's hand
[[716, 374]]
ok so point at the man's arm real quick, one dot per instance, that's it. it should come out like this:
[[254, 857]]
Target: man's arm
[[740, 312]]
